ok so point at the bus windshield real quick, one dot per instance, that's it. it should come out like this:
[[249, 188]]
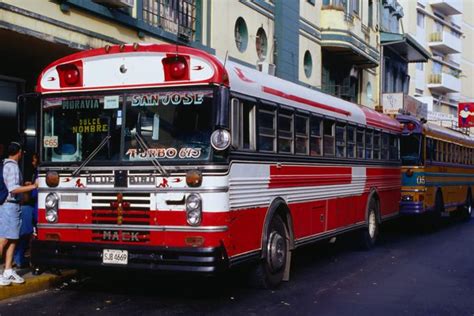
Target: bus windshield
[[73, 127], [410, 149], [175, 125]]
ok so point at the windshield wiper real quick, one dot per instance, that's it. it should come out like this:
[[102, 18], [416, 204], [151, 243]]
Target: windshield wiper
[[141, 142], [91, 155]]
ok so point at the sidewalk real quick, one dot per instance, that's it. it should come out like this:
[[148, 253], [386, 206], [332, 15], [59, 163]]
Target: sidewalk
[[34, 283]]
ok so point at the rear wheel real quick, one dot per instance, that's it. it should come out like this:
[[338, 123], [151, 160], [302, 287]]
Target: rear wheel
[[369, 234], [269, 272]]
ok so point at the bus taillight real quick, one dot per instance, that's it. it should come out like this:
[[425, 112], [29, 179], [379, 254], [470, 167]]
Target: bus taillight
[[70, 75], [176, 68]]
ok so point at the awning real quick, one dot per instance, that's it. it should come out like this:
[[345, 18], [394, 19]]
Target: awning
[[406, 46]]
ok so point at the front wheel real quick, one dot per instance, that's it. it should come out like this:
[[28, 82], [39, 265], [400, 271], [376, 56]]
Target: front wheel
[[369, 234], [269, 272]]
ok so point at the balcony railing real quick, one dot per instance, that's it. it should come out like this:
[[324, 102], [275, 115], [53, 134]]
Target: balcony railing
[[174, 16], [445, 42], [444, 83]]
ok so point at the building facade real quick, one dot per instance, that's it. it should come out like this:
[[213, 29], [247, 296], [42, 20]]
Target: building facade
[[467, 55], [336, 46], [437, 25]]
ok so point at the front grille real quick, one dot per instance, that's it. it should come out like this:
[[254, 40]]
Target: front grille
[[137, 214]]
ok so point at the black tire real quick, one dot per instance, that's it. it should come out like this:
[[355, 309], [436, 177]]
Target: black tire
[[466, 211], [369, 234], [434, 218], [269, 271]]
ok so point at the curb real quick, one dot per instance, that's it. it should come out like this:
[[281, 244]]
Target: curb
[[34, 284]]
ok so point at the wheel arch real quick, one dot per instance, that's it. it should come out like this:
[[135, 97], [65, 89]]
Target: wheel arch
[[278, 207]]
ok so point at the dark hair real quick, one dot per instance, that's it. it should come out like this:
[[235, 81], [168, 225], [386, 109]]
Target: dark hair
[[13, 148]]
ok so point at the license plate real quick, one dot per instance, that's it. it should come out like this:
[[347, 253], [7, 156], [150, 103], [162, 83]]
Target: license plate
[[114, 256]]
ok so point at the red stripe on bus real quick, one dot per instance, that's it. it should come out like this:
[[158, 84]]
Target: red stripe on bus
[[304, 176], [305, 101]]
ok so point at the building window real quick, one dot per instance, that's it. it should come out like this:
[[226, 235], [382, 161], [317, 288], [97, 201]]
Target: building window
[[177, 17], [371, 13], [308, 64], [420, 20], [355, 6], [241, 35], [261, 43], [437, 68], [369, 93]]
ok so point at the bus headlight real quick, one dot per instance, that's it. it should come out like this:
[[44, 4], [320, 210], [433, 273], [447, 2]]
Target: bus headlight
[[220, 139], [51, 205], [194, 209], [52, 216]]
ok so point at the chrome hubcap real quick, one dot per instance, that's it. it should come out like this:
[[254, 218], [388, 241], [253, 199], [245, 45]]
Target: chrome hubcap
[[276, 254], [372, 224]]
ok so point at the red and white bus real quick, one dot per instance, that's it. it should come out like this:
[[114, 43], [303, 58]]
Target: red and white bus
[[162, 157]]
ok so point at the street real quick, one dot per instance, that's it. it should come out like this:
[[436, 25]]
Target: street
[[407, 273]]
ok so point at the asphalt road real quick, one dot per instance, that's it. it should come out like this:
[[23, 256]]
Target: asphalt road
[[408, 273]]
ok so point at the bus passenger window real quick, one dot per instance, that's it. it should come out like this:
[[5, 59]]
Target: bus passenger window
[[385, 146], [394, 147], [340, 140], [350, 136], [315, 130], [328, 140], [267, 129], [285, 132], [449, 152], [243, 124], [435, 150], [376, 145], [302, 133], [429, 149], [360, 143], [368, 144]]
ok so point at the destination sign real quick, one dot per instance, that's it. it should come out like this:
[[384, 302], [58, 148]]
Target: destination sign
[[80, 104], [169, 98]]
